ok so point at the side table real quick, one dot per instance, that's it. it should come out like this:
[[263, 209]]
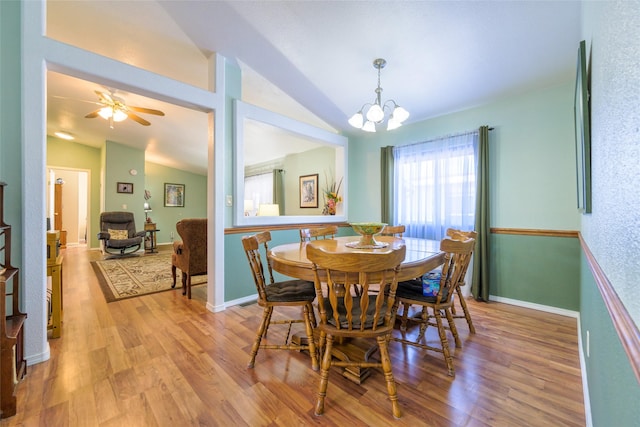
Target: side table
[[150, 243]]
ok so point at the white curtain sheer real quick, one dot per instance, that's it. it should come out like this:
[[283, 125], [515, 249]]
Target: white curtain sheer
[[435, 185], [259, 189]]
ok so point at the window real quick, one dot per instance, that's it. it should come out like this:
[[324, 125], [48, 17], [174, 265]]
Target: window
[[435, 185], [258, 189]]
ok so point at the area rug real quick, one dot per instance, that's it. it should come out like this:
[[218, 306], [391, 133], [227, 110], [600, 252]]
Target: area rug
[[133, 276]]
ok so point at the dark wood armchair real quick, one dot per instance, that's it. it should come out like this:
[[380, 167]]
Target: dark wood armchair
[[190, 254]]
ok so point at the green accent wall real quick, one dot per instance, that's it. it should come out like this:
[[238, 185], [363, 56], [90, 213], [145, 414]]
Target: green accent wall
[[10, 122], [68, 154], [537, 269], [165, 218], [321, 161], [614, 391], [120, 159]]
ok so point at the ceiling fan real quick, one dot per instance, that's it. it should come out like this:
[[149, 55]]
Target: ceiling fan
[[114, 109]]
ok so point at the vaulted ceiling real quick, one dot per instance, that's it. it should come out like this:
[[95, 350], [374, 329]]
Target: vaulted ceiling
[[309, 60]]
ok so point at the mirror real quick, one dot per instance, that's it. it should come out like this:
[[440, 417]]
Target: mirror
[[305, 155]]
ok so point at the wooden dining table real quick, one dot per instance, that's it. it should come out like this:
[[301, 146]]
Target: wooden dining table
[[290, 259]]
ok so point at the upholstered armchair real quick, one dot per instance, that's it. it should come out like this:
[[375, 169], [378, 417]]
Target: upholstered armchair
[[118, 235], [190, 254]]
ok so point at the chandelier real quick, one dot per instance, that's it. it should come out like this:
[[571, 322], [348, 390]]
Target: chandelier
[[376, 112]]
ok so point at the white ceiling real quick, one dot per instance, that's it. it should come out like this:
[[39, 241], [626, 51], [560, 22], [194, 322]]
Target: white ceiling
[[307, 59]]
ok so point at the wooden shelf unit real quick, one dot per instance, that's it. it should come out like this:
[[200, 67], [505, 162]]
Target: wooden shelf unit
[[13, 365]]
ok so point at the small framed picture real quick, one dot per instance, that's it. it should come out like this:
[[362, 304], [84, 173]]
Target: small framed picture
[[125, 187], [309, 191], [174, 195]]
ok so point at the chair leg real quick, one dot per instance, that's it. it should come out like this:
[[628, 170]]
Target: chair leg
[[388, 376], [188, 286], [445, 344], [465, 309], [308, 310], [424, 323], [184, 283], [173, 276], [405, 313], [262, 331], [324, 376], [452, 327]]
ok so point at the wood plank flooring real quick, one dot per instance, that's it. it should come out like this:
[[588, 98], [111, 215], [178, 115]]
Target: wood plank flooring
[[162, 360]]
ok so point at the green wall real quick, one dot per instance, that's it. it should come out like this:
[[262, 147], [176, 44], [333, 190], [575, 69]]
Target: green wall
[[195, 199], [537, 269], [67, 154], [321, 161], [120, 160], [10, 122], [614, 391]]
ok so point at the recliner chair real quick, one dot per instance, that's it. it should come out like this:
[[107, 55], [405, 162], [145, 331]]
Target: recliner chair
[[118, 235]]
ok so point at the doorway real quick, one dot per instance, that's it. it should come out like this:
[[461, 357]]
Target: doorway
[[68, 204]]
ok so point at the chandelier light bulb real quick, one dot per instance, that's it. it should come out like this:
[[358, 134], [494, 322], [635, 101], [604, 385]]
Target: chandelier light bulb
[[393, 123], [369, 126], [376, 113], [357, 120]]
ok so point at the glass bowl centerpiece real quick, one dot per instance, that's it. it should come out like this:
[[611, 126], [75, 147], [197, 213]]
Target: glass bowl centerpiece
[[367, 230]]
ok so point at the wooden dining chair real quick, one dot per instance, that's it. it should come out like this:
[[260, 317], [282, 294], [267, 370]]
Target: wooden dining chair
[[345, 315], [393, 230], [462, 235], [308, 234], [273, 294], [438, 299]]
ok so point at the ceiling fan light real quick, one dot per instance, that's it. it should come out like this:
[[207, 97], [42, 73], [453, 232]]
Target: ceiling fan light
[[357, 120], [369, 126], [106, 112], [119, 115], [400, 114], [375, 113]]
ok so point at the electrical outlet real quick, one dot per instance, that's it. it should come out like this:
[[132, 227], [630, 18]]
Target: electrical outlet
[[172, 235]]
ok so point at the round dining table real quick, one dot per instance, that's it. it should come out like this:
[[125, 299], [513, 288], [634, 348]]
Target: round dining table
[[291, 260], [422, 255]]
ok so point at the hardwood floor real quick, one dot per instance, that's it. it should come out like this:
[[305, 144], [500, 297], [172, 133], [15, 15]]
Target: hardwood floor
[[163, 360]]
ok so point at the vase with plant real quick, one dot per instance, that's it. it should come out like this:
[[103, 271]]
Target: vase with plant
[[331, 197]]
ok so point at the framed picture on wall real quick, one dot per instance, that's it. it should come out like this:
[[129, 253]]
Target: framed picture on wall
[[125, 187], [174, 195], [309, 191]]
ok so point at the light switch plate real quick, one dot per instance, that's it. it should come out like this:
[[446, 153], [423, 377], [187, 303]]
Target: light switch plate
[[229, 200]]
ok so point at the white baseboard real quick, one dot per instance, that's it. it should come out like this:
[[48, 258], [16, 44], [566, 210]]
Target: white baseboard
[[243, 300], [38, 358], [534, 306]]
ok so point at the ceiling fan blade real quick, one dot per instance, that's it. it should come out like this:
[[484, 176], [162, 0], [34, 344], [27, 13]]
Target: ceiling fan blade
[[92, 114], [146, 110], [138, 119], [104, 97]]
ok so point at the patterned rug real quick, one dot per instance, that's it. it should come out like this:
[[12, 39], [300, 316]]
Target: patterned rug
[[138, 275]]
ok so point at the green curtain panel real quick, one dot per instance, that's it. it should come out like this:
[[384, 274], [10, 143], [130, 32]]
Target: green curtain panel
[[386, 178], [480, 282], [278, 189]]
